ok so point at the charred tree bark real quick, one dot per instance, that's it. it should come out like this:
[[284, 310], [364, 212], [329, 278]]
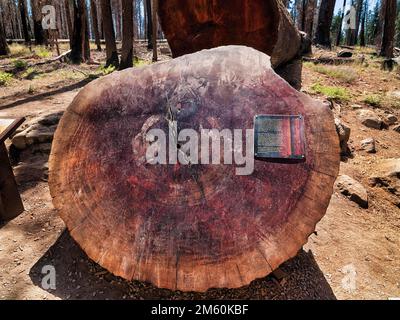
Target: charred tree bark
[[339, 34], [40, 37], [388, 29], [363, 21], [24, 20], [80, 49], [67, 4], [322, 34], [95, 24], [154, 29], [127, 35], [149, 27], [4, 50], [109, 34]]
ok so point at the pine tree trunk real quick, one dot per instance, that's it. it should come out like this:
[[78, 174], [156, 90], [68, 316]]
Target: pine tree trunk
[[109, 34], [309, 17], [67, 4], [24, 20], [80, 49], [388, 30], [95, 24], [4, 50], [38, 31], [149, 25], [127, 35], [362, 31], [154, 27], [339, 33], [322, 34]]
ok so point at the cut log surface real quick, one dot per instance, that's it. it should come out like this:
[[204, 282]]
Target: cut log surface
[[265, 25], [199, 226]]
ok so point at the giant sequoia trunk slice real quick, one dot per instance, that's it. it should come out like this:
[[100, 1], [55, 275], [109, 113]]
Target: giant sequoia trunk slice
[[265, 25], [189, 227]]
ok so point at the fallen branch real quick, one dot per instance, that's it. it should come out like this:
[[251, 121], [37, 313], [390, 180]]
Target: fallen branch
[[60, 57], [329, 60]]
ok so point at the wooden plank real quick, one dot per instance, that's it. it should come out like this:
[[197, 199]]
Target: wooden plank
[[8, 127]]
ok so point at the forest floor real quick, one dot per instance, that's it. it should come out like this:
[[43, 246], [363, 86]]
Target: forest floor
[[354, 253]]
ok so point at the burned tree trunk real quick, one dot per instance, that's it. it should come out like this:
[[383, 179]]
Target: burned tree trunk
[[322, 34], [388, 14], [80, 49], [149, 27], [190, 26], [127, 35], [4, 50], [339, 33], [190, 226], [109, 34], [95, 24], [24, 20], [69, 20], [40, 38], [154, 29]]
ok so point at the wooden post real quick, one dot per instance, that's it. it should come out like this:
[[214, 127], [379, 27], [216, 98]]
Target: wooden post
[[10, 200]]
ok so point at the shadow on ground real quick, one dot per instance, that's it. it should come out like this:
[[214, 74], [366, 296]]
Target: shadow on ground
[[77, 277]]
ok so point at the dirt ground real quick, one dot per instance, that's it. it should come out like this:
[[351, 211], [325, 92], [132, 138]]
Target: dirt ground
[[350, 242]]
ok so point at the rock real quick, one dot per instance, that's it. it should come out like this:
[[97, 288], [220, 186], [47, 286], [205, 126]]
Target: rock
[[353, 190], [397, 128], [370, 119], [390, 119], [368, 145], [19, 140], [344, 135], [345, 54], [35, 171], [386, 174], [50, 119], [395, 94], [34, 134], [356, 107]]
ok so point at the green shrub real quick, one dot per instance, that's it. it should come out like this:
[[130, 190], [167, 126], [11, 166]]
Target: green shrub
[[30, 73], [42, 52], [331, 92], [373, 100], [343, 74], [107, 70], [20, 64], [5, 78]]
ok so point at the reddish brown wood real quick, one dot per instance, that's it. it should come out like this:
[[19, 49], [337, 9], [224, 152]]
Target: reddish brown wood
[[265, 25], [189, 227]]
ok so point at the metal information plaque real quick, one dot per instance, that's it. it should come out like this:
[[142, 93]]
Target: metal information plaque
[[279, 137]]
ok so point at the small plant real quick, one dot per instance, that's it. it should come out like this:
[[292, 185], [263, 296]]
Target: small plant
[[42, 52], [5, 78], [343, 74], [18, 50], [107, 70], [31, 89], [331, 92], [373, 100], [20, 64], [30, 73], [137, 62]]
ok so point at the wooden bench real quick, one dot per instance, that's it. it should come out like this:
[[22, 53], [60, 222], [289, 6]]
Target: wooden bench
[[10, 201]]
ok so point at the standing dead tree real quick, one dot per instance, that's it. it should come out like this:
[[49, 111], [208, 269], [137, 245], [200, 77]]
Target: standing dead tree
[[109, 34], [127, 35], [80, 49], [95, 23], [388, 28], [322, 33], [24, 20], [4, 50]]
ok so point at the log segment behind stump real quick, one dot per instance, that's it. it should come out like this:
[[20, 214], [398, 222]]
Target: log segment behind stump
[[265, 25], [189, 227]]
